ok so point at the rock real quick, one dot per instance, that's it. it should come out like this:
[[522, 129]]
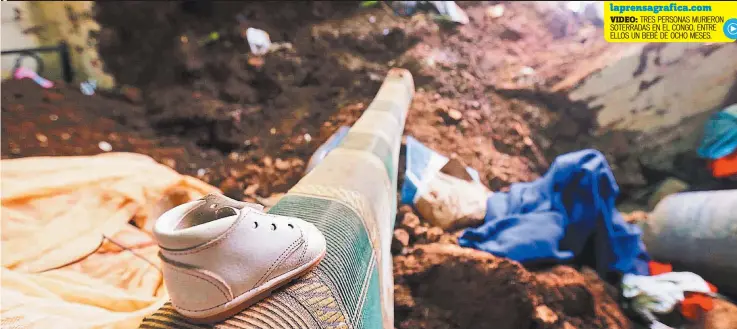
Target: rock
[[105, 146], [420, 233], [42, 138], [403, 210], [267, 161], [399, 241], [169, 162], [527, 71], [410, 221], [544, 314], [434, 234], [279, 46], [256, 61], [294, 163], [251, 189], [495, 11], [455, 114], [449, 238], [450, 116], [281, 164], [254, 168]]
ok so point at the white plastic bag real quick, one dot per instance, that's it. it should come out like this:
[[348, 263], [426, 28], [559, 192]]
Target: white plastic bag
[[258, 40]]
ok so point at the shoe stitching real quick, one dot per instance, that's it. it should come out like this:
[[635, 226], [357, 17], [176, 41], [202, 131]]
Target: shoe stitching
[[206, 279], [214, 242], [307, 243], [304, 251], [278, 260]]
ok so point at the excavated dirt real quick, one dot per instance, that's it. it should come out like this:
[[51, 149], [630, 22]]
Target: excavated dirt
[[491, 290], [249, 124], [438, 284]]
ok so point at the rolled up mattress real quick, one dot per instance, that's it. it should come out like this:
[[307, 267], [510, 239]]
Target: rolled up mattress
[[351, 197], [697, 232]]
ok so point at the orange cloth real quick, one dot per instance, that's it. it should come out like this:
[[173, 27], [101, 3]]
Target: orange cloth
[[659, 268], [725, 166], [62, 221], [696, 304]]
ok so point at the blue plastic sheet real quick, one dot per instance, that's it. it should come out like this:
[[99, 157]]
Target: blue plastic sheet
[[326, 147], [422, 163]]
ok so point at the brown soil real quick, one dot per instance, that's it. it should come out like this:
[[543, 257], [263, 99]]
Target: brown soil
[[249, 125], [492, 290], [485, 289]]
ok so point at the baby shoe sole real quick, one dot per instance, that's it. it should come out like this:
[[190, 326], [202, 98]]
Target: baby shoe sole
[[253, 296]]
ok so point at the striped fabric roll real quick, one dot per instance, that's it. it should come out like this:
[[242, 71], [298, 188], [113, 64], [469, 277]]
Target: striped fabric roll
[[351, 197]]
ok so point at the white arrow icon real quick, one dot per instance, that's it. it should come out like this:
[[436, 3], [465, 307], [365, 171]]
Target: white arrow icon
[[732, 28]]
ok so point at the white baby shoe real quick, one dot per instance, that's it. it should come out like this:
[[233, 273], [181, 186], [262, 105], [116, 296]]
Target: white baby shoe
[[220, 256]]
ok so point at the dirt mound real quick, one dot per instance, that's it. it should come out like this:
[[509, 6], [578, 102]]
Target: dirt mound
[[438, 284], [63, 121], [446, 286], [216, 92]]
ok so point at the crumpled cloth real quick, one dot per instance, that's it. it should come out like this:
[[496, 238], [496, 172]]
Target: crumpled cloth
[[70, 257], [661, 293], [725, 166], [696, 303], [554, 217], [720, 134]]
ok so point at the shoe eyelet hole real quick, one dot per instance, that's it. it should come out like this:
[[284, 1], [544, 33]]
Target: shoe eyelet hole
[[290, 225], [273, 227], [255, 224]]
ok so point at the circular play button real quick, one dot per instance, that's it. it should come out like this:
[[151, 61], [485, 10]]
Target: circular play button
[[730, 28]]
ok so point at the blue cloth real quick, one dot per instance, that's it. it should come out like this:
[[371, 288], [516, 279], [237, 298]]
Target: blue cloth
[[720, 134], [553, 218]]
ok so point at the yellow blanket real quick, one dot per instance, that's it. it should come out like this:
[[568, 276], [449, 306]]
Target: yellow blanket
[[71, 257]]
